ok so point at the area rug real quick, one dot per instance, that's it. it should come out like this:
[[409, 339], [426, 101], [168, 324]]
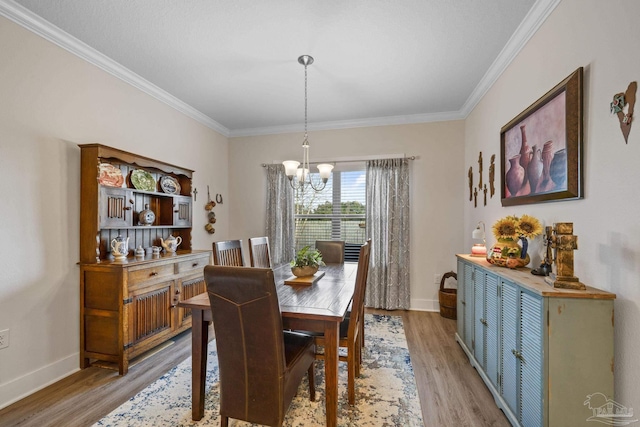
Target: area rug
[[385, 392]]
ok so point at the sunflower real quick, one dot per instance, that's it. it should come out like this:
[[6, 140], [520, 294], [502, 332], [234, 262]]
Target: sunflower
[[529, 227], [506, 228]]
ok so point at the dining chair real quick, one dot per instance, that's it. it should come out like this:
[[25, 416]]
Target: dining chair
[[332, 250], [352, 327], [259, 252], [228, 253], [260, 365]]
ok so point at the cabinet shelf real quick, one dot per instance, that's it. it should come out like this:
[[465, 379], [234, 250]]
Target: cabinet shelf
[[150, 193], [147, 227]]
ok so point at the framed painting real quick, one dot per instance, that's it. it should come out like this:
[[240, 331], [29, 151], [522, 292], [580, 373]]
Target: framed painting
[[541, 148]]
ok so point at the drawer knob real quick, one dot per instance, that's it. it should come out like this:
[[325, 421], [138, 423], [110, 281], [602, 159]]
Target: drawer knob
[[153, 273], [195, 264]]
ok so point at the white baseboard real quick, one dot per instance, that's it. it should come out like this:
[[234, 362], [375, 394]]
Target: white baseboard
[[21, 387], [424, 305]]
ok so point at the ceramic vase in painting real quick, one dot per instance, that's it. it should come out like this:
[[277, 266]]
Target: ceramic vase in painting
[[534, 171], [558, 169], [515, 175], [525, 153]]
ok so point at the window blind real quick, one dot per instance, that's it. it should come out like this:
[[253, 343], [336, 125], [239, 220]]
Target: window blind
[[335, 213]]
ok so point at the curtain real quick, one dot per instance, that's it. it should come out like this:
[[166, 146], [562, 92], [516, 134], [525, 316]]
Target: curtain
[[280, 227], [387, 214]]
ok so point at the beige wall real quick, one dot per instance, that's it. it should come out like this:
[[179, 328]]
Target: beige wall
[[50, 101], [436, 205], [596, 35]]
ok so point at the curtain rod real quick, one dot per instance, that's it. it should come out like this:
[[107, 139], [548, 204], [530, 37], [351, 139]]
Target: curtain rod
[[264, 165]]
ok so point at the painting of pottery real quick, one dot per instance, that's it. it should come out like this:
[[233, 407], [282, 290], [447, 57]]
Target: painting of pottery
[[541, 148]]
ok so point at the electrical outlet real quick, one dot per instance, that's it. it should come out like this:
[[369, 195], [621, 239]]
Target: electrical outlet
[[437, 278], [4, 338]]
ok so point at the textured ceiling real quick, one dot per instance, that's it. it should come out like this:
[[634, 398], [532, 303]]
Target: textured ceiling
[[235, 61]]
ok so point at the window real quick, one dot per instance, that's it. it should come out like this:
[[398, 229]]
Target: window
[[335, 213]]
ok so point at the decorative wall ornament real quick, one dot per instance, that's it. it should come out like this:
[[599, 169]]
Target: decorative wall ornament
[[622, 106], [480, 170], [211, 216], [485, 194], [475, 198], [470, 174], [554, 162], [492, 175]]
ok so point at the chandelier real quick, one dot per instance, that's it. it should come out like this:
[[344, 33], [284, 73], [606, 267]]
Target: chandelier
[[299, 176]]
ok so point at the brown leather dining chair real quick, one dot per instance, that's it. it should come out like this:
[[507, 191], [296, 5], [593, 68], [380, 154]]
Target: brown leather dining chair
[[259, 252], [261, 366], [229, 253], [352, 327], [332, 250]]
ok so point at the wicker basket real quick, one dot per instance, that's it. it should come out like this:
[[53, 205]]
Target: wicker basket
[[448, 298]]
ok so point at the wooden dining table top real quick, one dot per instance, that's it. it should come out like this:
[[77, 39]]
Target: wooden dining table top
[[326, 299]]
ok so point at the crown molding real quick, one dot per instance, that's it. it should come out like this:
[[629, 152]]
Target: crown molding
[[527, 28], [347, 124], [34, 23]]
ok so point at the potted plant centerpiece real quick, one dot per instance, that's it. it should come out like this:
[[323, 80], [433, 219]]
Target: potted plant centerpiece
[[306, 262]]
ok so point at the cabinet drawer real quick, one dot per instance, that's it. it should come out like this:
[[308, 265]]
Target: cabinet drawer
[[194, 264], [144, 274]]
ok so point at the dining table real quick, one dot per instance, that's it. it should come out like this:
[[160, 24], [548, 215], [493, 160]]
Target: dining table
[[317, 307]]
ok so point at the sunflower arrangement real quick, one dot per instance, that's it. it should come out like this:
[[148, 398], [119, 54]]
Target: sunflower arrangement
[[508, 231], [511, 227]]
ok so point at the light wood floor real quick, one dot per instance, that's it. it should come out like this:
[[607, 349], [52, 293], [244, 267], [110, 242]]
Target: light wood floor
[[451, 392]]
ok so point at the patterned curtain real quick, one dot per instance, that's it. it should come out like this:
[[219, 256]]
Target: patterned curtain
[[280, 226], [388, 227]]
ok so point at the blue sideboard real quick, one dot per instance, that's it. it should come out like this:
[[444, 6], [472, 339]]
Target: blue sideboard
[[540, 350]]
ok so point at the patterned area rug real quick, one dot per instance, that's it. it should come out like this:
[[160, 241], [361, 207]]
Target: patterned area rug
[[385, 392]]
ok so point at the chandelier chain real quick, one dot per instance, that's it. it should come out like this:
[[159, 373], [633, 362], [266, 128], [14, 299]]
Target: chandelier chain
[[305, 103]]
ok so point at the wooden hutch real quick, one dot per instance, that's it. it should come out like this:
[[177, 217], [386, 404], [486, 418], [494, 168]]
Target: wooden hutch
[[130, 306]]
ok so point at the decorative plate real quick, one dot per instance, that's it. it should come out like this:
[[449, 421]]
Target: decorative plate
[[170, 185], [110, 175], [142, 180]]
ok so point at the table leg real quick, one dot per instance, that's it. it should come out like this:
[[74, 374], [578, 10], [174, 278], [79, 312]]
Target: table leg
[[331, 341], [199, 343]]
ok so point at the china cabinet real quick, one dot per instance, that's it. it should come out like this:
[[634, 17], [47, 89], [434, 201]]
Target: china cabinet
[[540, 350], [130, 305]]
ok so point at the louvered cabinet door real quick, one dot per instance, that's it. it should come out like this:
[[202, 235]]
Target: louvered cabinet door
[[460, 300], [479, 323], [187, 288], [115, 207], [508, 349], [151, 312], [491, 296], [530, 359], [182, 211], [468, 306]]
